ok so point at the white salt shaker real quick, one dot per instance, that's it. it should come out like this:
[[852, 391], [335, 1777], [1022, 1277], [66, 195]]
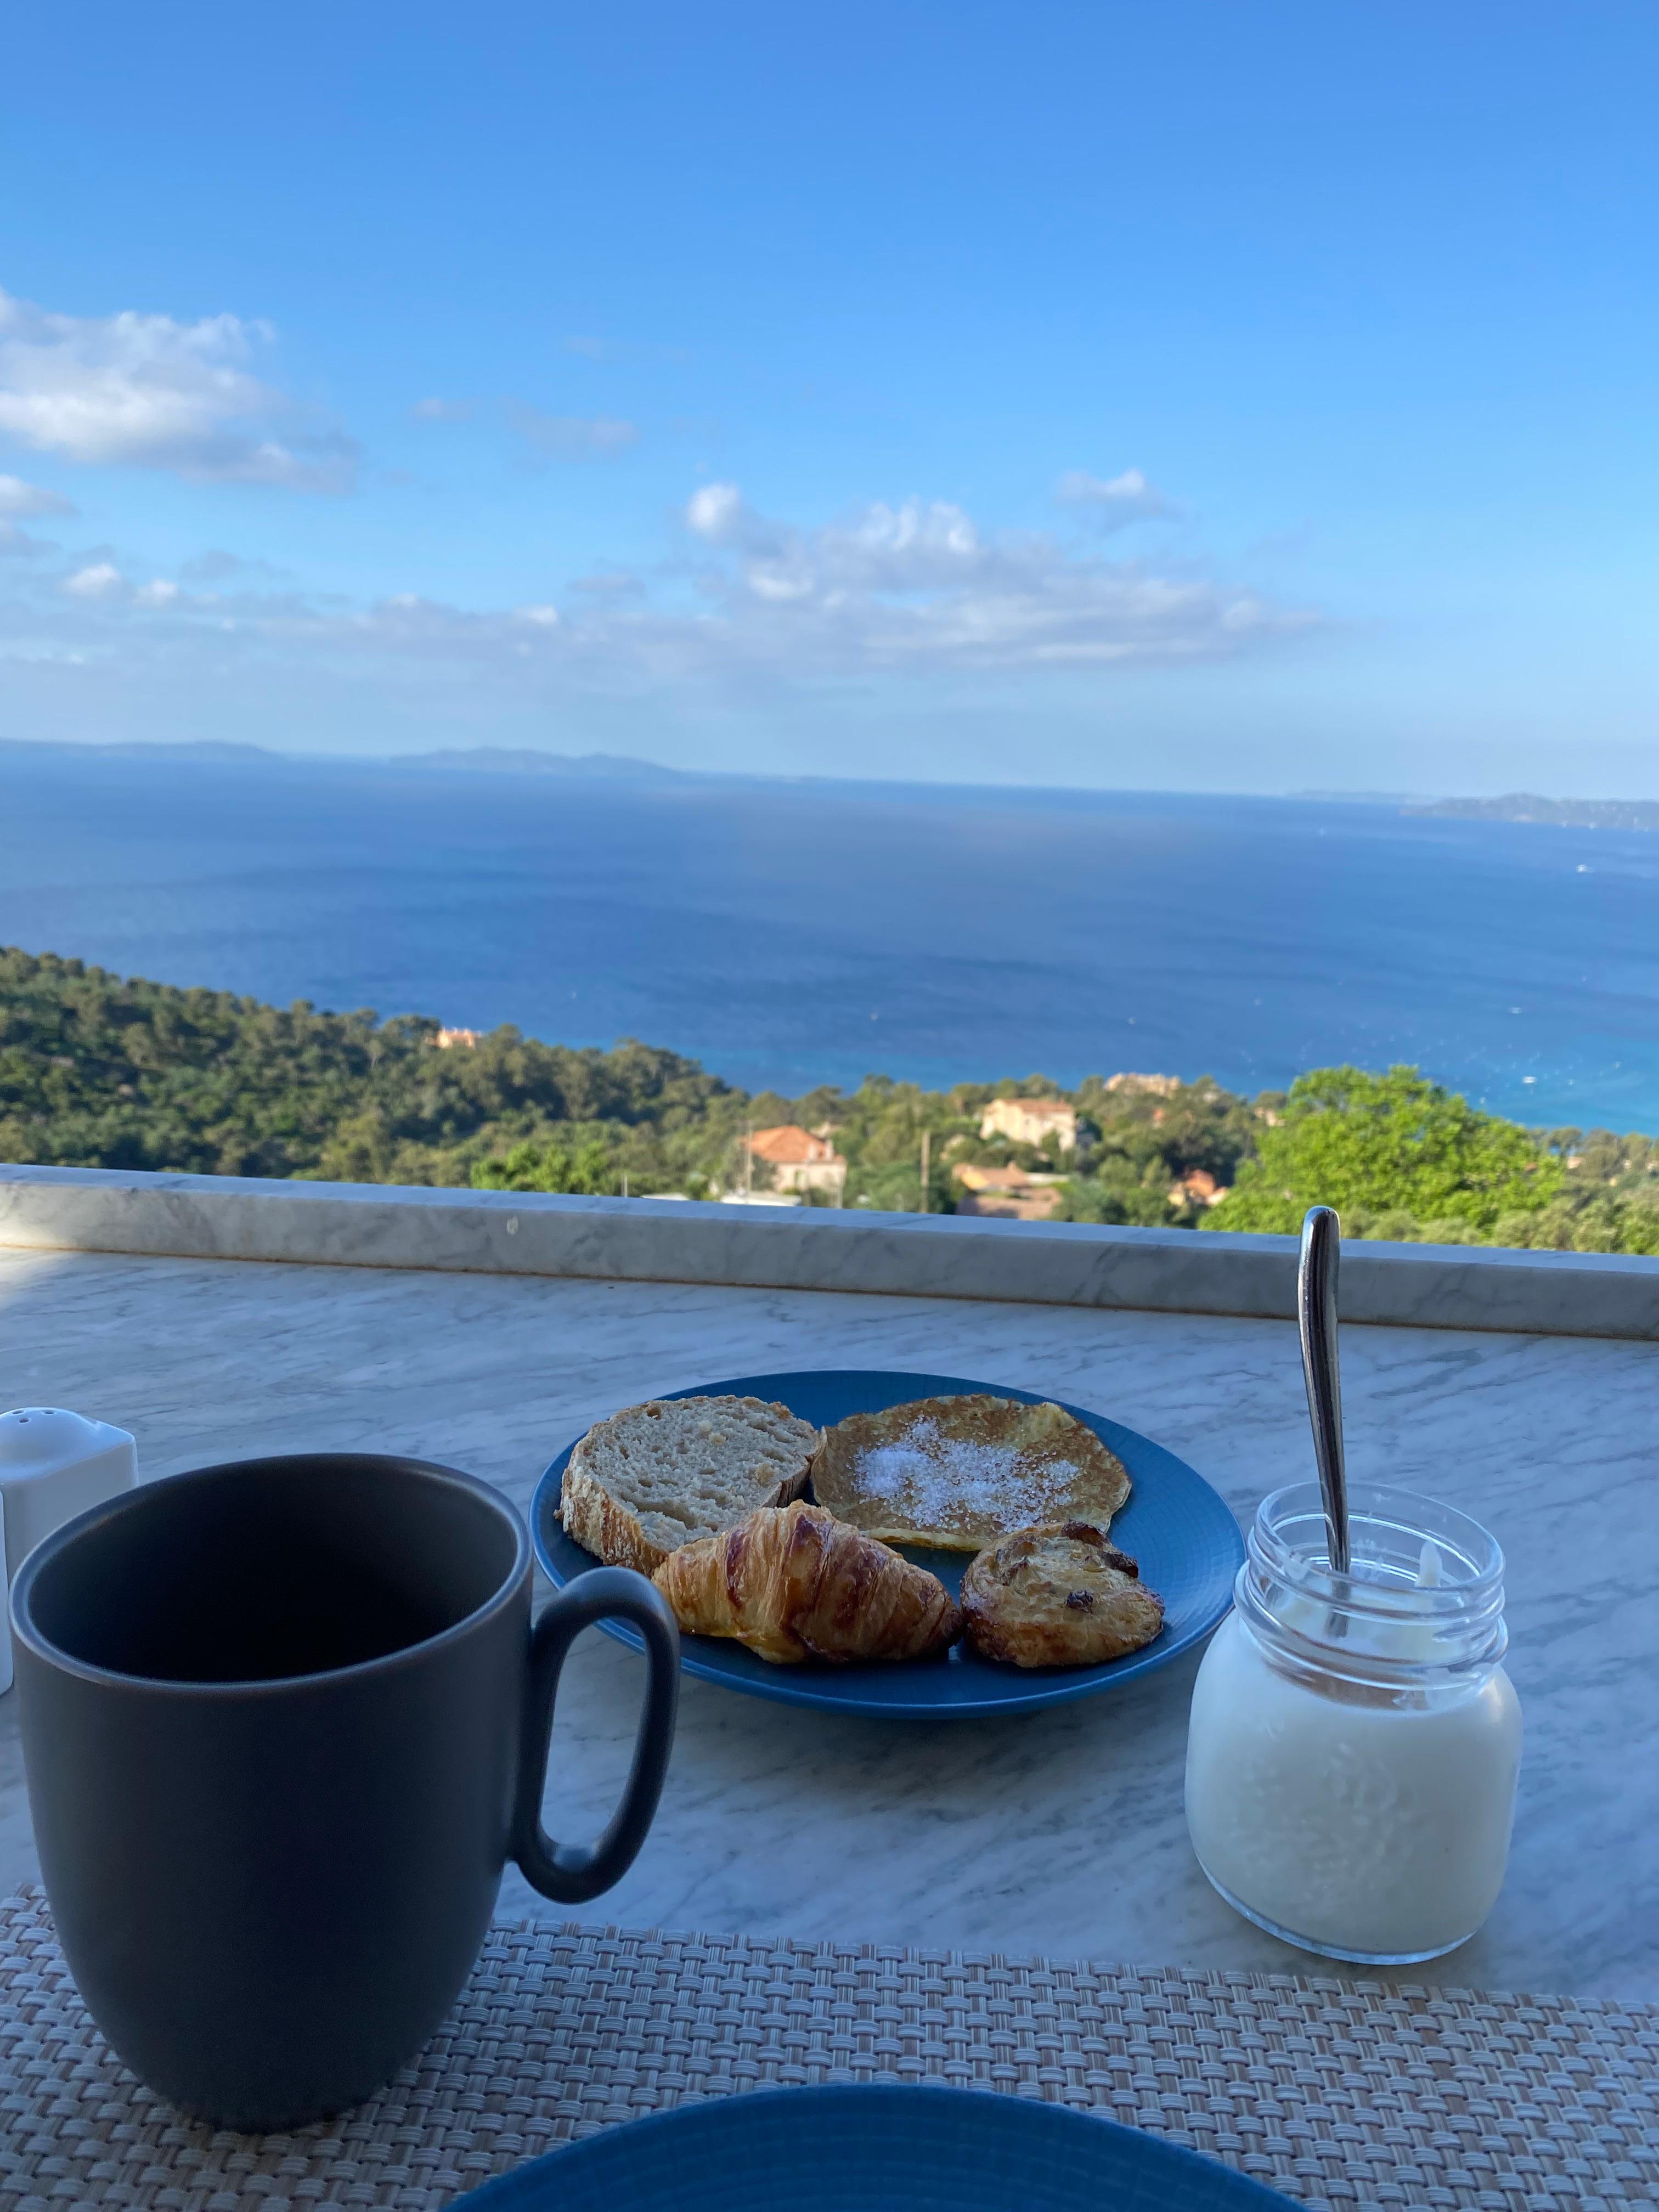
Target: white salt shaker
[[53, 1465]]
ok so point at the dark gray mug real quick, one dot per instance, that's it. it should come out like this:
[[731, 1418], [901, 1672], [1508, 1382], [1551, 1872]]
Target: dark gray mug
[[284, 1723]]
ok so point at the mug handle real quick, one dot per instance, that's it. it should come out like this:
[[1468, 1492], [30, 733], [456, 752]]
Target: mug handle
[[572, 1873]]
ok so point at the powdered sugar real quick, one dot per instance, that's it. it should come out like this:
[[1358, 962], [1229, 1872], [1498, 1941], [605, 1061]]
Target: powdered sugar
[[940, 1481]]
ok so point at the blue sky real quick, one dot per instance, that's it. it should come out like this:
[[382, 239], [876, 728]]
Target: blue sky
[[1198, 397]]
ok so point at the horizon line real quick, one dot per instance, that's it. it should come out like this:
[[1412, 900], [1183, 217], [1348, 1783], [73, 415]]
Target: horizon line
[[504, 760]]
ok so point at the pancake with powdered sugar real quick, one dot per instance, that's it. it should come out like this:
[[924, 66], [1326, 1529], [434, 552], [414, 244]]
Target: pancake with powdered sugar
[[958, 1473]]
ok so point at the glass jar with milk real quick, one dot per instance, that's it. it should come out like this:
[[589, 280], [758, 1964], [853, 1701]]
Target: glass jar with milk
[[1354, 1743]]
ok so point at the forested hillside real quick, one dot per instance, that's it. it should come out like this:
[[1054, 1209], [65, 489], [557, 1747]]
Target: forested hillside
[[97, 1071]]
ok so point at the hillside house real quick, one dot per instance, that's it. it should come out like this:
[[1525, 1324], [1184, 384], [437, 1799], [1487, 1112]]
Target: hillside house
[[1048, 1123], [793, 1159], [1158, 1086]]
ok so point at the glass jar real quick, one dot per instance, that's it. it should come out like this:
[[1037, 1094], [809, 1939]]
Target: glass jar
[[1354, 1742]]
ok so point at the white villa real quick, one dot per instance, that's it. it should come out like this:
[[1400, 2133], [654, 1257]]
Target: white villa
[[1031, 1121]]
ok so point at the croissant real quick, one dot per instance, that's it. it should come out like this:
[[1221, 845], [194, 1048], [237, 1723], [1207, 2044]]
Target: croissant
[[792, 1583]]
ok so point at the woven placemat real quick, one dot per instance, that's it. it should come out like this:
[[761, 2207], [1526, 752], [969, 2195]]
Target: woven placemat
[[1340, 2093]]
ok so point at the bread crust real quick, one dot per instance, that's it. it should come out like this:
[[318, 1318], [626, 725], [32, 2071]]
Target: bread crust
[[1058, 1596], [595, 1520], [795, 1583], [602, 1523], [958, 1473]]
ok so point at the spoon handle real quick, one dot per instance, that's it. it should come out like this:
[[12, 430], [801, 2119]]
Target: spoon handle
[[1316, 1313]]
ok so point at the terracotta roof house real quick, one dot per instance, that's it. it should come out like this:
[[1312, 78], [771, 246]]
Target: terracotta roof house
[[1031, 1121], [468, 1040], [794, 1159]]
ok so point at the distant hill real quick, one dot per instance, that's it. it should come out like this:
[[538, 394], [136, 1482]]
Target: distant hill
[[474, 760], [1558, 813], [504, 760], [628, 768]]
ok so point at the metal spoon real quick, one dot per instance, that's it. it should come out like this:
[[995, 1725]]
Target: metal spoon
[[1316, 1313]]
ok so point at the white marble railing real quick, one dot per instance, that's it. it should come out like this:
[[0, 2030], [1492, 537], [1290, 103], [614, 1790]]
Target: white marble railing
[[645, 1240]]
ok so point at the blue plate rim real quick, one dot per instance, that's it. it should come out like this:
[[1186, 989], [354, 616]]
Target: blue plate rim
[[711, 2114], [1029, 1691]]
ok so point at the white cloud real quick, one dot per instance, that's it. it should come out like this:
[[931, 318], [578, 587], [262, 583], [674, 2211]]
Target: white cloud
[[147, 391], [572, 437], [442, 411], [100, 580], [17, 497], [717, 513], [1113, 501], [919, 585], [912, 589]]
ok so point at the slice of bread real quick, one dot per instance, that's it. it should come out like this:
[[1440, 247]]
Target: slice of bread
[[1058, 1597], [958, 1473], [656, 1476]]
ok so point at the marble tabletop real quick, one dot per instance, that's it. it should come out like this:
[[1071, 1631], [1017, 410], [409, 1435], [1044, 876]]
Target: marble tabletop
[[1061, 1834]]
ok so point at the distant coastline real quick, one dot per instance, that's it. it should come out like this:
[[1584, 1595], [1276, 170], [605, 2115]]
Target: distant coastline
[[496, 762], [1555, 813], [476, 760]]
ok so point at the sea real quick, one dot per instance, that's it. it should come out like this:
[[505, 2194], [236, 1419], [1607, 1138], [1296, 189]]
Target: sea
[[792, 933]]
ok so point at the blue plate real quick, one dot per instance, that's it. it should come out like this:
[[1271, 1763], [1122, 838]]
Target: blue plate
[[853, 2147], [1184, 1537]]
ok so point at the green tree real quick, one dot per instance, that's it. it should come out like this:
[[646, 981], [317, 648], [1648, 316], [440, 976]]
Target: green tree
[[585, 1170], [1393, 1143], [1115, 1202]]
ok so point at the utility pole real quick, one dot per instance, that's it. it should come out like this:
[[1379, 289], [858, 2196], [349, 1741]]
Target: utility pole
[[926, 1139], [748, 1160]]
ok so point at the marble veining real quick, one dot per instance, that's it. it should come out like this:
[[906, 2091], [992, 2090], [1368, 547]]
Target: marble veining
[[1060, 1832], [1058, 1263]]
